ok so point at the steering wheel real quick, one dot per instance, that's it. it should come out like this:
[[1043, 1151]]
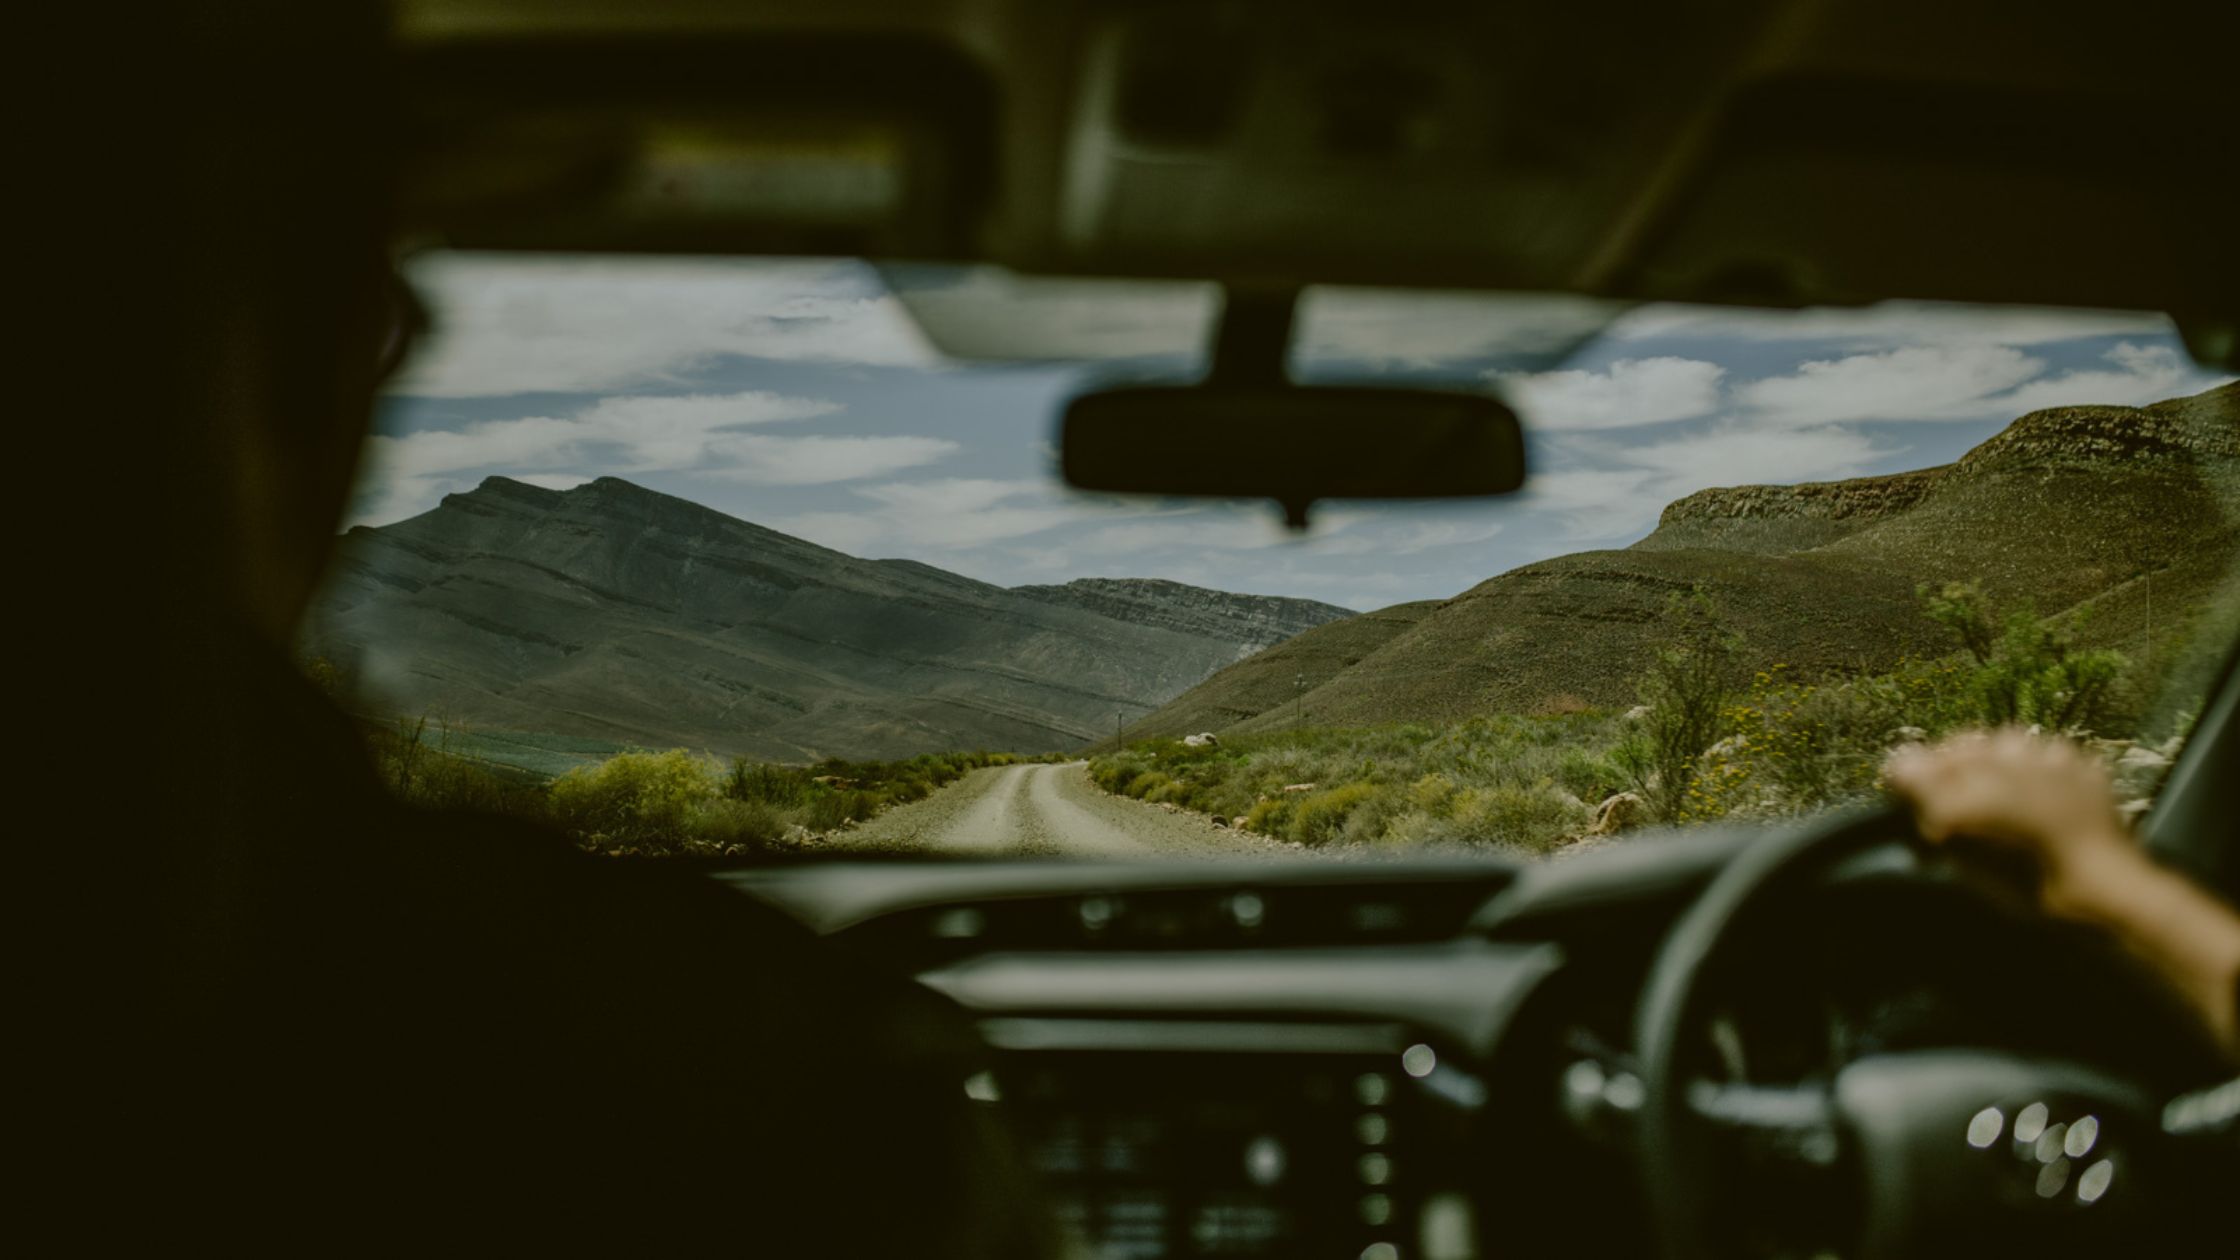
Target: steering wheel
[[1971, 1151]]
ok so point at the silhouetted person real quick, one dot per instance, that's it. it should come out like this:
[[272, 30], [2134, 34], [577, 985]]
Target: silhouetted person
[[290, 1012]]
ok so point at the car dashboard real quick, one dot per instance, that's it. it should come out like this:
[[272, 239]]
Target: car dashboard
[[1412, 1057], [1238, 1059]]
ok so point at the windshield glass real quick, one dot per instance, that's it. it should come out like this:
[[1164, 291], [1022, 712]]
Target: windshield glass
[[729, 558]]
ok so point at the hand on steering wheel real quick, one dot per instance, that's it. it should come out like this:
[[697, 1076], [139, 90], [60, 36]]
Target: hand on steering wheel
[[2051, 802], [1896, 1133]]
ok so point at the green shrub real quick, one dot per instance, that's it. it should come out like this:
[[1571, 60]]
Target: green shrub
[[1144, 785], [725, 824], [1588, 773], [2028, 671], [1526, 817], [835, 808], [1270, 817], [1320, 817], [1685, 694], [782, 787], [636, 800], [420, 767], [1432, 794]]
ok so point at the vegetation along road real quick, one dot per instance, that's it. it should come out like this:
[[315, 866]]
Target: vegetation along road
[[1043, 809]]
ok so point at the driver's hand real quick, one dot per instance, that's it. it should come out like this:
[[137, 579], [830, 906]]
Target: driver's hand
[[2045, 798], [2051, 801]]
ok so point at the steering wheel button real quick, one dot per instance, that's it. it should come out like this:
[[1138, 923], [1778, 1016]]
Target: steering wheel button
[[1985, 1129], [1264, 1160], [2029, 1123], [1418, 1060], [2094, 1182], [2082, 1135]]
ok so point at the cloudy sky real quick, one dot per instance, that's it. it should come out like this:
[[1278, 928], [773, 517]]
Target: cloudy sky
[[802, 396]]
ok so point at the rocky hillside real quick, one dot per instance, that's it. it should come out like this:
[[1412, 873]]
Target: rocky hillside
[[1255, 621], [2121, 509], [1776, 520], [617, 613], [1281, 677]]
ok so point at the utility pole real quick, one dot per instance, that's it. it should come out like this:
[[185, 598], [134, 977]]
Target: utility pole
[[1116, 730], [1299, 700]]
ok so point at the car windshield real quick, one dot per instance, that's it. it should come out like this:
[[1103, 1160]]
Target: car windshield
[[753, 560]]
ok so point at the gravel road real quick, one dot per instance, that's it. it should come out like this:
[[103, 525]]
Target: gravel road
[[1044, 809]]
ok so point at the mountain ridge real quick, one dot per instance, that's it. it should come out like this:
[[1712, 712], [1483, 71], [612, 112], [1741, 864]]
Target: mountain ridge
[[1259, 621], [613, 611], [2063, 507]]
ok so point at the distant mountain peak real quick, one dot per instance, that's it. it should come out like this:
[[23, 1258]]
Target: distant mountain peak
[[2199, 428], [613, 611]]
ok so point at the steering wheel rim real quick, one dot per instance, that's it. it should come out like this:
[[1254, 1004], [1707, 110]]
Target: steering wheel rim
[[1675, 1179]]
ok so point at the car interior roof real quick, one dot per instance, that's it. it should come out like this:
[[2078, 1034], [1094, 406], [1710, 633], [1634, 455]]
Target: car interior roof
[[1737, 151]]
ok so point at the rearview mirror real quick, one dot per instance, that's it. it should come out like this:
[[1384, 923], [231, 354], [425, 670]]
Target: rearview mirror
[[1293, 444]]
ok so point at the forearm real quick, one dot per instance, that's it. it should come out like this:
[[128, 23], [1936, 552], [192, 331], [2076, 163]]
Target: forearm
[[2180, 930]]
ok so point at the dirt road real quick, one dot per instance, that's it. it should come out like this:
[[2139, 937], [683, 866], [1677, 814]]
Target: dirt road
[[1043, 809]]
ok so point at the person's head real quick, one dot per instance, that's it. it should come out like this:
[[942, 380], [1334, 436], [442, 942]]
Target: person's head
[[284, 129]]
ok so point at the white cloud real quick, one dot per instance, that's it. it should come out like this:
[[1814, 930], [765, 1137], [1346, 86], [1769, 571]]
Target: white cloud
[[555, 481], [1584, 490], [1886, 325], [1912, 383], [2141, 375], [946, 514], [1630, 391], [632, 434], [969, 512], [950, 495], [1623, 489], [759, 460], [1740, 455], [1202, 530], [1431, 535], [853, 532], [509, 324], [1404, 538], [1964, 382], [706, 435]]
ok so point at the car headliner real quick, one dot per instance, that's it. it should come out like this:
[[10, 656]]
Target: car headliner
[[1729, 151]]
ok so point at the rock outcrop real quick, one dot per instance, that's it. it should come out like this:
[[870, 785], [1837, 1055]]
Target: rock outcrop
[[1252, 621]]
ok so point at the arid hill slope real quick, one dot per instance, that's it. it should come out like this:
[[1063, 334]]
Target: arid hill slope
[[615, 612], [2106, 506]]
